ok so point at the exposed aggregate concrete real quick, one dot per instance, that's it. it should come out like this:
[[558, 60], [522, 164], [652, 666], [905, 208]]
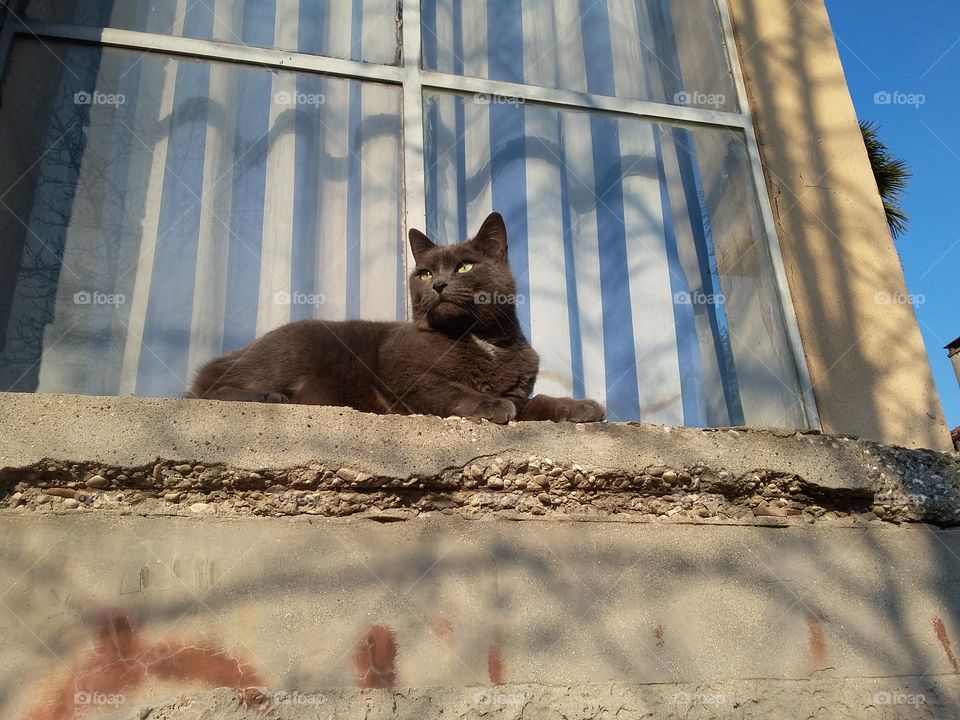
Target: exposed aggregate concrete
[[531, 486], [392, 468]]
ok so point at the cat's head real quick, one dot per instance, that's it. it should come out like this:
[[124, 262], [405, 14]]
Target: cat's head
[[465, 287]]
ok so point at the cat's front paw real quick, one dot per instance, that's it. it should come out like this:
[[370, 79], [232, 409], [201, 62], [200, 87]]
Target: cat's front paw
[[544, 407], [495, 410], [580, 411], [272, 397]]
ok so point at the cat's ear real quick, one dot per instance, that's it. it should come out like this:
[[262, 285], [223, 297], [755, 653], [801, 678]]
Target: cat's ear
[[491, 240], [419, 243]]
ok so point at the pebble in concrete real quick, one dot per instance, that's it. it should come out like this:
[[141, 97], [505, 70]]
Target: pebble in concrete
[[97, 481]]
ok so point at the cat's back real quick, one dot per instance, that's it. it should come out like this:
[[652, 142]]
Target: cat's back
[[313, 340], [285, 358], [348, 331]]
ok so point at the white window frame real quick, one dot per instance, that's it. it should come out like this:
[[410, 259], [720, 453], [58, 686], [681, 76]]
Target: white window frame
[[414, 80]]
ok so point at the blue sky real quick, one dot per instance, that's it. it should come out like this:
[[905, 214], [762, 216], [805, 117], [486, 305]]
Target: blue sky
[[913, 48]]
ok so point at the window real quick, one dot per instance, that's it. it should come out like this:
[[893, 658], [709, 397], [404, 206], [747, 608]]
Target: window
[[182, 177]]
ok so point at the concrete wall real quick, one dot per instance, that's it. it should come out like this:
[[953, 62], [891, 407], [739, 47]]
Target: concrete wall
[[866, 356], [326, 563], [101, 611]]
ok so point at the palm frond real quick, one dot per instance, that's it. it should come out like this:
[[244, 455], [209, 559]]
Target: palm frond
[[892, 175]]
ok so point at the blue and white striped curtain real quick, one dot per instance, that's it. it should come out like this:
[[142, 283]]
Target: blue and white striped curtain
[[658, 50], [364, 30], [638, 285], [220, 200], [216, 202]]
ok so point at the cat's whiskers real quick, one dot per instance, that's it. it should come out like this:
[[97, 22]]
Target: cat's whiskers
[[507, 315]]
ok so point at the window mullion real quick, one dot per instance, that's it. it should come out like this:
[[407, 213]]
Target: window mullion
[[413, 175], [499, 91]]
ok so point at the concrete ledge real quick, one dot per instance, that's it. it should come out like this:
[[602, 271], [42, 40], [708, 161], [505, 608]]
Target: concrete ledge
[[180, 457]]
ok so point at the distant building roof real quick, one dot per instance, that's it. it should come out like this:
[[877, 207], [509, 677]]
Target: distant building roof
[[953, 347]]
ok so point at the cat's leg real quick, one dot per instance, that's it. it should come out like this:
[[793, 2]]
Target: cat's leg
[[486, 407], [544, 407], [439, 396], [226, 392], [226, 378]]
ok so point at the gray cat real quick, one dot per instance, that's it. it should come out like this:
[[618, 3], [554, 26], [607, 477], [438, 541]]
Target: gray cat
[[463, 353]]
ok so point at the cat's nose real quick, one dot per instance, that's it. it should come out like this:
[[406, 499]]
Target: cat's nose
[[439, 285]]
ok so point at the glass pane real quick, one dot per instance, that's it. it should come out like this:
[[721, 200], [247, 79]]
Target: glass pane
[[365, 30], [641, 261], [668, 51], [160, 212]]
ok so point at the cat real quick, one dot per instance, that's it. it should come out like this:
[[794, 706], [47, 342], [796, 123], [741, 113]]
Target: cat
[[463, 353]]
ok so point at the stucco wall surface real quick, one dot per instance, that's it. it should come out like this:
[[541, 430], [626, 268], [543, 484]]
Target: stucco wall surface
[[864, 350]]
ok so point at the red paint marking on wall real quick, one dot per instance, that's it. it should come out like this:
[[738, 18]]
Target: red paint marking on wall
[[495, 664], [944, 639], [375, 658], [658, 634], [818, 646], [442, 627], [121, 663]]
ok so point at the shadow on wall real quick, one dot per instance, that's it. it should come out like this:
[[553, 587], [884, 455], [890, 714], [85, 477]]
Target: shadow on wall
[[866, 356], [180, 606]]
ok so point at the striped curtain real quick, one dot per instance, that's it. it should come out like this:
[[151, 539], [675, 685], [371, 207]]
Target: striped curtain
[[658, 50], [365, 30], [183, 208], [639, 285], [217, 201]]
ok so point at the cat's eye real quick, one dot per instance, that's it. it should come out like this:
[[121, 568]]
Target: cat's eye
[[464, 267], [424, 274]]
